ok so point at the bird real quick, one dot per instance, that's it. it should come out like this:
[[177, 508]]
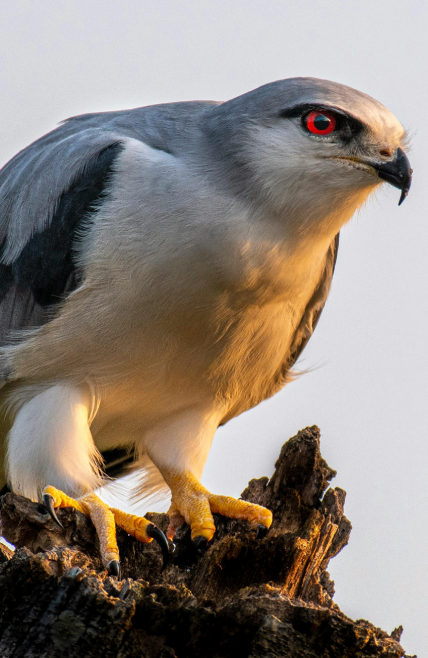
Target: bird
[[161, 271]]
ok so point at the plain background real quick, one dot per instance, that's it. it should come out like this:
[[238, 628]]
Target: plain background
[[368, 389]]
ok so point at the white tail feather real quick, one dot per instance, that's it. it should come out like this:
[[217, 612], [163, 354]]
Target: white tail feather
[[143, 490]]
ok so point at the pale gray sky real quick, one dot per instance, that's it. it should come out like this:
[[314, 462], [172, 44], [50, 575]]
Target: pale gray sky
[[369, 393]]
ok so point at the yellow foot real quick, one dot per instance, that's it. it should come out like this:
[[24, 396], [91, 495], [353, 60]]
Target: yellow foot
[[193, 503], [105, 519]]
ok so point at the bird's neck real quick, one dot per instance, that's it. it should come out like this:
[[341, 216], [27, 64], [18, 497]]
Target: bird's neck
[[306, 225]]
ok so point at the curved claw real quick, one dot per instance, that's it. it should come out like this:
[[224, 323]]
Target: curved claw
[[48, 502], [156, 534], [113, 568], [261, 531], [200, 543]]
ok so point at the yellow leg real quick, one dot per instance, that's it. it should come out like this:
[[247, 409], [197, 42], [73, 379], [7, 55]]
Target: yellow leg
[[105, 519], [196, 504]]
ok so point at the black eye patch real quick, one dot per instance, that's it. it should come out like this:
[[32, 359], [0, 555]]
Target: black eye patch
[[346, 126]]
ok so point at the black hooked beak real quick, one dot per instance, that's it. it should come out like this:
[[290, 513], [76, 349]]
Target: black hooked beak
[[397, 172]]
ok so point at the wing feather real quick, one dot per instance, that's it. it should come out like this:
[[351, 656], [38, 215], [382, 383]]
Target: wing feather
[[314, 309], [48, 188], [38, 264]]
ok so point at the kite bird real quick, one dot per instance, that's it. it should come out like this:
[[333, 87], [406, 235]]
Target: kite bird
[[161, 270]]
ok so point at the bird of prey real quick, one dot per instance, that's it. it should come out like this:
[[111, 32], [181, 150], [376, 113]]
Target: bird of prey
[[161, 270]]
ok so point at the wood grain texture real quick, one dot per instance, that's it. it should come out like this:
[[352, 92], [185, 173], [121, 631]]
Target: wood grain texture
[[244, 597]]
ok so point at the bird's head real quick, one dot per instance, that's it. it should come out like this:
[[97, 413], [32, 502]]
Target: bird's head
[[309, 143]]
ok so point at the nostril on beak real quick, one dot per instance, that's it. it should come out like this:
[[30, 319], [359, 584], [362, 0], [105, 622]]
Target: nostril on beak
[[386, 153]]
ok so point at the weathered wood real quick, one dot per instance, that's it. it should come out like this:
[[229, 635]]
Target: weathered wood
[[243, 597]]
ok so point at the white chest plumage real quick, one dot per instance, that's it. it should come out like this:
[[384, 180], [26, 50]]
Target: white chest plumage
[[207, 303]]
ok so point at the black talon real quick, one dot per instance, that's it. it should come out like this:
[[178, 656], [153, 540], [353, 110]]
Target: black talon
[[113, 568], [200, 543], [156, 534], [48, 502], [261, 531]]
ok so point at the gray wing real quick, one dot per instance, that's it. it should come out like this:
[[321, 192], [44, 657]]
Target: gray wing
[[313, 310], [46, 192]]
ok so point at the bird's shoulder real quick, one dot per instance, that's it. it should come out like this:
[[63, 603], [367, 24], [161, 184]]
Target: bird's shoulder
[[50, 193]]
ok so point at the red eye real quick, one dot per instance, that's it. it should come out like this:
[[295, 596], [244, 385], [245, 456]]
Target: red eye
[[320, 123]]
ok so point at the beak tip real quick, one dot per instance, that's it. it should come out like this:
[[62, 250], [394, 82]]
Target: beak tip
[[397, 172], [405, 190]]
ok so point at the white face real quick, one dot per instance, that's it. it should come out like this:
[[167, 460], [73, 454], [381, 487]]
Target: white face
[[313, 153]]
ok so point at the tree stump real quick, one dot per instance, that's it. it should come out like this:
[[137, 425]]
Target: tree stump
[[243, 597]]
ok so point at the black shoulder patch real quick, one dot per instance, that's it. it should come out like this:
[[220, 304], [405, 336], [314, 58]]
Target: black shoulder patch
[[46, 265], [6, 279]]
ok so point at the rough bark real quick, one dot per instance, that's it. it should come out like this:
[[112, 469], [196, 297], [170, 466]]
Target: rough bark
[[243, 597]]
